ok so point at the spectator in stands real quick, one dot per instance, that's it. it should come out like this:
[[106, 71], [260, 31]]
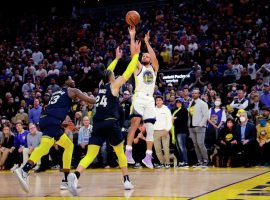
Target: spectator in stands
[[33, 140], [240, 102], [35, 112], [20, 143], [139, 145], [162, 127], [83, 138], [229, 74], [227, 143], [263, 141], [246, 139], [28, 86], [6, 146], [21, 116], [53, 86], [264, 71], [217, 118], [197, 121], [180, 131], [265, 97]]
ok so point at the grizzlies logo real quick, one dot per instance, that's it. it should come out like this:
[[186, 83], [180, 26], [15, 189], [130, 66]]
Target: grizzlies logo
[[148, 77]]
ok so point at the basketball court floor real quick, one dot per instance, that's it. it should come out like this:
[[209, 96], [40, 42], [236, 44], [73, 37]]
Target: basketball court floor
[[177, 184]]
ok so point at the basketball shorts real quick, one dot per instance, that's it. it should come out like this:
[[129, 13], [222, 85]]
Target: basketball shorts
[[50, 126], [107, 130], [143, 106]]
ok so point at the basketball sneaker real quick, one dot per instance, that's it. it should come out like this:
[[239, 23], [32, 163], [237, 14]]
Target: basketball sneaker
[[72, 184], [22, 176], [130, 159], [64, 185], [128, 185], [199, 164], [167, 166], [148, 161]]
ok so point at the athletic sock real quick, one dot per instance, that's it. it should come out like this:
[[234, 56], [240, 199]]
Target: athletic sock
[[126, 178], [65, 176], [78, 174], [27, 167]]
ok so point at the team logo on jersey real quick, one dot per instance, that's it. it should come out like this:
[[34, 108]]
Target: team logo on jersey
[[148, 77]]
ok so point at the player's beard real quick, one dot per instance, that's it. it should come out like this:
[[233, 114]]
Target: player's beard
[[145, 63]]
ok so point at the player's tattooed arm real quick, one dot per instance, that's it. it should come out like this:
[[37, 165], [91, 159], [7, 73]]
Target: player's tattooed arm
[[76, 93]]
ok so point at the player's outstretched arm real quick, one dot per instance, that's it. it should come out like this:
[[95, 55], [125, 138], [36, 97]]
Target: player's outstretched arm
[[151, 52], [121, 80], [118, 55], [132, 33], [76, 93]]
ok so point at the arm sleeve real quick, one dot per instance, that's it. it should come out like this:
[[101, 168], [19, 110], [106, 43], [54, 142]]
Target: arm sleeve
[[112, 65], [131, 67]]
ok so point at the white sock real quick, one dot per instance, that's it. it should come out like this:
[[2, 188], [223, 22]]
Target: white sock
[[149, 152], [128, 147]]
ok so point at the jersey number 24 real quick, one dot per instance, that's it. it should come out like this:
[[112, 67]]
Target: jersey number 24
[[101, 101]]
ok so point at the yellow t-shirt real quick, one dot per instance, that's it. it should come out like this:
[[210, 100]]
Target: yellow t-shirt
[[166, 56], [263, 133]]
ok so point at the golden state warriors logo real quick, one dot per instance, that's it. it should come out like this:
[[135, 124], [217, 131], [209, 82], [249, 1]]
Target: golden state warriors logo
[[148, 77]]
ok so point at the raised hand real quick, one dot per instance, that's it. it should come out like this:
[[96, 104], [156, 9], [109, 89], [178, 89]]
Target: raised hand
[[137, 47], [132, 31], [147, 37], [118, 53]]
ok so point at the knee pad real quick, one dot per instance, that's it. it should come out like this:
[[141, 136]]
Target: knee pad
[[149, 132]]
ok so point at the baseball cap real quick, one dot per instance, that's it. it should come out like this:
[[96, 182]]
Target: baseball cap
[[266, 84], [47, 94], [170, 84], [179, 100]]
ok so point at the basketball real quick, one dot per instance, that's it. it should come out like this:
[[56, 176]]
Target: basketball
[[132, 18]]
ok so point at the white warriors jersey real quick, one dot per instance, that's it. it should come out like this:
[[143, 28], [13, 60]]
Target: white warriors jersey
[[145, 81]]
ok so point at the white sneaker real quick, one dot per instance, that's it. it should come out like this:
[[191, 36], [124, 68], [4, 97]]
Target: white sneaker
[[167, 166], [23, 179], [72, 184], [15, 166], [128, 185], [64, 186]]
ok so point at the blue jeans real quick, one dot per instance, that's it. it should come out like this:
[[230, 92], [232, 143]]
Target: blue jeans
[[182, 147]]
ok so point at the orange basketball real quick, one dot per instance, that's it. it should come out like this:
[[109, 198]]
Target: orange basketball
[[132, 18]]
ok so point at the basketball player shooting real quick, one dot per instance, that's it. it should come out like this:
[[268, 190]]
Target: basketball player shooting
[[143, 103]]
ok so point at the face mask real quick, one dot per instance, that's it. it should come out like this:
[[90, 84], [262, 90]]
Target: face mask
[[233, 88], [242, 119], [26, 96], [217, 103], [262, 122], [21, 110], [17, 100]]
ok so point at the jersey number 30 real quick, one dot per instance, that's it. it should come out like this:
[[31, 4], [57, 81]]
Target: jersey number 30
[[102, 102]]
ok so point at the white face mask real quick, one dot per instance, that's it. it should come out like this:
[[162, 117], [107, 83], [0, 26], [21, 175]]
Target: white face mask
[[217, 103], [233, 88], [21, 110], [242, 119]]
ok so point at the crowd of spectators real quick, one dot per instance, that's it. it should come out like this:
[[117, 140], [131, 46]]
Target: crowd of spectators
[[224, 43]]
